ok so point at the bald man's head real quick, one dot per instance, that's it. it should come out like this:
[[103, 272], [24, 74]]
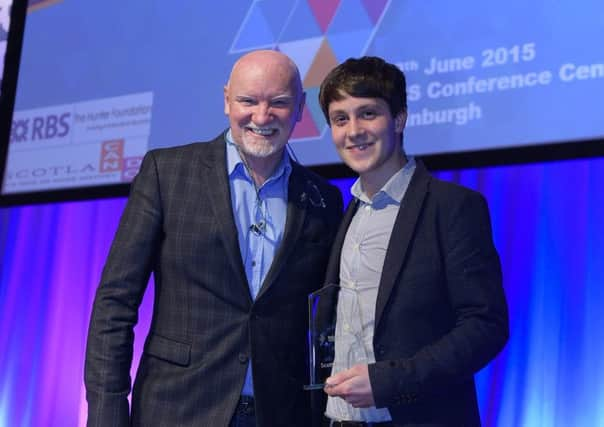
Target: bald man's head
[[273, 61], [263, 99]]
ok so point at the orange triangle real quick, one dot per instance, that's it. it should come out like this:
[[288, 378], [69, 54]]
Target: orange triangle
[[323, 63]]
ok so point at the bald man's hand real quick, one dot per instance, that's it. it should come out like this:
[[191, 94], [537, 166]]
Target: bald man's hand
[[352, 385]]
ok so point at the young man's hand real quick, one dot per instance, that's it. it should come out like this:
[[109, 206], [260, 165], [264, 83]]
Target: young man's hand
[[352, 385]]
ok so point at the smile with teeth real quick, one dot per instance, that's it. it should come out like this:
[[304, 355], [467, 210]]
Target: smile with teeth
[[262, 131], [360, 147]]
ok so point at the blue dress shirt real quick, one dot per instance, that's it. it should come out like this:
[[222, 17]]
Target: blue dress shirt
[[260, 215]]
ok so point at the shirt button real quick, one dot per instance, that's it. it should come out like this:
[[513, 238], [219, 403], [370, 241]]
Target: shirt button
[[243, 358], [253, 263]]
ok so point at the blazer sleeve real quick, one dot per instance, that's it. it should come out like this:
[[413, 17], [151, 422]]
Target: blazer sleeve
[[479, 328], [118, 297]]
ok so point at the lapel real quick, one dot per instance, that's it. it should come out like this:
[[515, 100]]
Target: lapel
[[296, 212], [219, 194], [402, 232]]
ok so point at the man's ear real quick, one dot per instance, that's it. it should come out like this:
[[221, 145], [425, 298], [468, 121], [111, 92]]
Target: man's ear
[[399, 122], [226, 99]]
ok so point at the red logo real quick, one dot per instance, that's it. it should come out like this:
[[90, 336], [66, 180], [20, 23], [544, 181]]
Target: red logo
[[112, 155]]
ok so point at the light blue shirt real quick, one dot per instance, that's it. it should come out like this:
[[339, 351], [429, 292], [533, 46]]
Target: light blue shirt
[[265, 207], [361, 264]]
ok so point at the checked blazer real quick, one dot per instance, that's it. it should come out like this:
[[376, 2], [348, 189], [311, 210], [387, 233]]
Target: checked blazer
[[178, 224]]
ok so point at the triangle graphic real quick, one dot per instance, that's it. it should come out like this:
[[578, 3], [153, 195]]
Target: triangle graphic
[[322, 64], [254, 32], [302, 52], [301, 24], [375, 9], [276, 13], [314, 107], [350, 44], [324, 11], [350, 16], [306, 127]]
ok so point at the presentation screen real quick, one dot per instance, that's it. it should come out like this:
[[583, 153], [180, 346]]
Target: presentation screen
[[101, 83]]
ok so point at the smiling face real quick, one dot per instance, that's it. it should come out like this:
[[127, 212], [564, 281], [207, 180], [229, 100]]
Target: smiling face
[[263, 100], [367, 138]]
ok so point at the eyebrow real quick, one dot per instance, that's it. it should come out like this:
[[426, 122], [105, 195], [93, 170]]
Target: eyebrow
[[275, 98], [374, 106]]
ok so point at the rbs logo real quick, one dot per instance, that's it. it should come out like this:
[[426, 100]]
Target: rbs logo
[[40, 128]]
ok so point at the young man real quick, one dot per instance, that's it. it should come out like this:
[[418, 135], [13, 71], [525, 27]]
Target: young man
[[236, 235], [415, 257]]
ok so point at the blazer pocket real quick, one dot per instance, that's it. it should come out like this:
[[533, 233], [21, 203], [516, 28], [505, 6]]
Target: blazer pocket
[[169, 350]]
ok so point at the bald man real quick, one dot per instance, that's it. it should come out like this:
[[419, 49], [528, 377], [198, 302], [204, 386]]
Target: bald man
[[237, 235]]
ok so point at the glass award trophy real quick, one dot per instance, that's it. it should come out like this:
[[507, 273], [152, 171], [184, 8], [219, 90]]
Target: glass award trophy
[[333, 346], [322, 306]]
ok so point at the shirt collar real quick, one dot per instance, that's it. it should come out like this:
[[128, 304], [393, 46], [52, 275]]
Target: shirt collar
[[394, 188], [235, 164]]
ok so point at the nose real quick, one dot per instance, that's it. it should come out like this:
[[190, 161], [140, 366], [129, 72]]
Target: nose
[[355, 129], [262, 114]]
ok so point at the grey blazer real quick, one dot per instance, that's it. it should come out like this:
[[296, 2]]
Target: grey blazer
[[441, 313], [178, 224]]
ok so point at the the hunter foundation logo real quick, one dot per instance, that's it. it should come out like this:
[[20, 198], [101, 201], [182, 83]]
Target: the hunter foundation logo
[[317, 35], [113, 160]]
